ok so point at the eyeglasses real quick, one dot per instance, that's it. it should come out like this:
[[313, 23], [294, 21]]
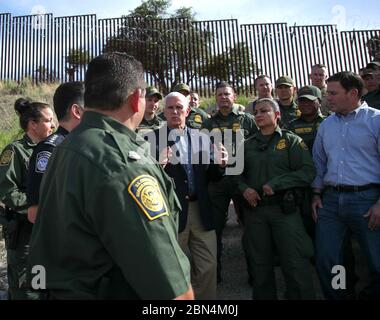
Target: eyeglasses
[[256, 112]]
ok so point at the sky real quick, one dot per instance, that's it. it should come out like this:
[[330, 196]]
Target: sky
[[348, 15]]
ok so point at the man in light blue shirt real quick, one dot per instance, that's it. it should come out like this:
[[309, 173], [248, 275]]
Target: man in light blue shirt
[[346, 190]]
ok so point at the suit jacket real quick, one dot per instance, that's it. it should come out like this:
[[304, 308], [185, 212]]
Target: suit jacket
[[203, 172]]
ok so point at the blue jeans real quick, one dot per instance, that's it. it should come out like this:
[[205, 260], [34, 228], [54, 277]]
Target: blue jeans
[[343, 212]]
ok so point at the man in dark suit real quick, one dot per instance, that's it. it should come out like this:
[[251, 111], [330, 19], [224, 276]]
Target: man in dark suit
[[189, 159]]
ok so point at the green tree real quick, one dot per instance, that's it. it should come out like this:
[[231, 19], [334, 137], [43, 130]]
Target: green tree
[[76, 59], [236, 66], [43, 74], [170, 47]]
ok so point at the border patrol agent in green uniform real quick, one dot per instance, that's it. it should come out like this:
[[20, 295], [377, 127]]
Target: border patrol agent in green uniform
[[318, 77], [285, 89], [372, 97], [307, 124], [36, 119], [151, 121], [276, 162], [107, 225], [223, 191]]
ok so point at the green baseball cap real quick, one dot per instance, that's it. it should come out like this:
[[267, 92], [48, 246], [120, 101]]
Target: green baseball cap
[[285, 80], [182, 87], [310, 92], [152, 91]]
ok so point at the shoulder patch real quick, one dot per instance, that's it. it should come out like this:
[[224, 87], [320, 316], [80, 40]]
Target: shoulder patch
[[281, 144], [146, 192], [42, 160], [236, 126], [6, 157], [198, 118], [303, 145]]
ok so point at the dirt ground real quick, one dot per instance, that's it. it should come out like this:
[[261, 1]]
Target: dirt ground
[[235, 278], [234, 285]]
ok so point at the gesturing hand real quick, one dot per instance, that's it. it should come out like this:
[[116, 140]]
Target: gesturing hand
[[165, 156]]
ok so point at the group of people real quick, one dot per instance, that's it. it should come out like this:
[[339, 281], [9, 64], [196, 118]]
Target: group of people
[[127, 200]]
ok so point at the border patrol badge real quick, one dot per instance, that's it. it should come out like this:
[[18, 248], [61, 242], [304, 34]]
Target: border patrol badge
[[236, 126], [281, 144], [198, 118], [146, 192], [42, 160], [6, 157]]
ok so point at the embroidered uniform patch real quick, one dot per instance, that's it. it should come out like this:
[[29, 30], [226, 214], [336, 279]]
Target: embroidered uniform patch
[[146, 192], [6, 157], [198, 118], [42, 160], [281, 144], [236, 126]]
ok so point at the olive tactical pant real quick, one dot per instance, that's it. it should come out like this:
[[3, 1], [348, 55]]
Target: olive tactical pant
[[267, 227], [17, 263]]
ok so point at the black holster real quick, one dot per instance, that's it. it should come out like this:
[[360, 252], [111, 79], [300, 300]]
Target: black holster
[[290, 201], [11, 226]]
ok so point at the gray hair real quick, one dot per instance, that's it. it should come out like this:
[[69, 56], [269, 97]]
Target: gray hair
[[178, 95], [273, 103]]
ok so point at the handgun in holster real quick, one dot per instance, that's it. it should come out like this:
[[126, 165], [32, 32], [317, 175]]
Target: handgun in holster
[[289, 203]]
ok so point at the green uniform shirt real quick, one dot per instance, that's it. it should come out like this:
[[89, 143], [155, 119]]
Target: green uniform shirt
[[288, 113], [234, 120], [324, 104], [307, 130], [196, 117], [373, 99], [14, 164], [212, 110], [107, 224], [282, 161], [149, 125]]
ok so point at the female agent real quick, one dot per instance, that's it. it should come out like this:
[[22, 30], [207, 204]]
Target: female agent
[[276, 164], [37, 121]]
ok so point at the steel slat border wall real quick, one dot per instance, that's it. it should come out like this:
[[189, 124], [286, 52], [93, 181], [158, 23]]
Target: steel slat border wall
[[5, 45], [32, 43], [356, 55]]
